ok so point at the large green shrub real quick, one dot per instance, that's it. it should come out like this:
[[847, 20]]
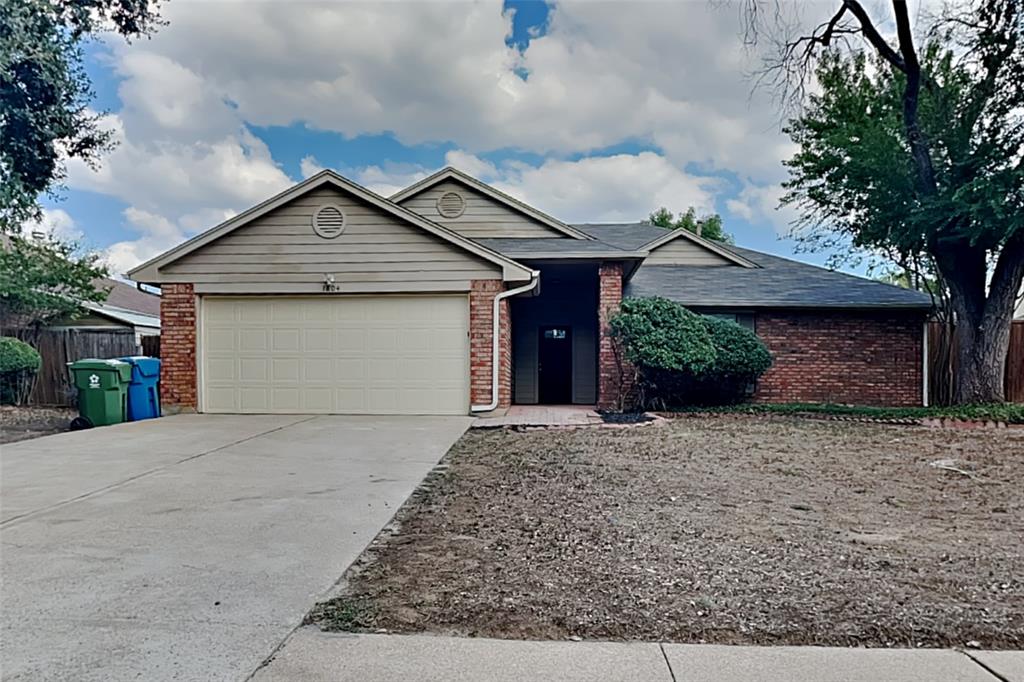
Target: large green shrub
[[661, 334], [739, 353], [19, 363], [740, 358], [682, 358]]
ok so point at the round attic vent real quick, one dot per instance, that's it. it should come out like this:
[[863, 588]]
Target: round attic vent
[[451, 205], [329, 221]]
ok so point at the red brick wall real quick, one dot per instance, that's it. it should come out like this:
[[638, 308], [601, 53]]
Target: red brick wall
[[858, 358], [481, 310], [609, 375], [178, 347]]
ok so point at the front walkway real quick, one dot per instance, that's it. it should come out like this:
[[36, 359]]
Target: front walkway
[[542, 415], [189, 547], [313, 656]]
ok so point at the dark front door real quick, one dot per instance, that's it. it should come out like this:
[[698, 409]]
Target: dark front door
[[554, 366]]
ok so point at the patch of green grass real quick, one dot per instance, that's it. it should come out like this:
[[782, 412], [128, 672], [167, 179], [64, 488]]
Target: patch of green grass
[[342, 615], [1011, 413]]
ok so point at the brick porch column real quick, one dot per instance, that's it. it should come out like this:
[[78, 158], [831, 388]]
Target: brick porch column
[[609, 298], [178, 348], [481, 310]]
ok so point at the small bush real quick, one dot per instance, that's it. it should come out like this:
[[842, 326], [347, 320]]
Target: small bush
[[682, 358], [19, 363]]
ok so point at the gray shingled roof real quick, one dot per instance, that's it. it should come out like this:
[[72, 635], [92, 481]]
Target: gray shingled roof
[[626, 236], [520, 246], [778, 282]]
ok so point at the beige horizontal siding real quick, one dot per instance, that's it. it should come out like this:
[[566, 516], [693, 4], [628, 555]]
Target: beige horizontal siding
[[484, 217], [681, 251], [376, 249]]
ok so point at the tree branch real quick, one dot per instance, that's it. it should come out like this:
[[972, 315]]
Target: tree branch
[[872, 35]]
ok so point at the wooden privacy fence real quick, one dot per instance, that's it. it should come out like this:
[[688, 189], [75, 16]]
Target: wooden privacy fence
[[941, 364], [151, 346], [60, 346]]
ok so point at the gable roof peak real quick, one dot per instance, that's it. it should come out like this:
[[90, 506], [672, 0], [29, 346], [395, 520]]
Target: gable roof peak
[[682, 232], [452, 173]]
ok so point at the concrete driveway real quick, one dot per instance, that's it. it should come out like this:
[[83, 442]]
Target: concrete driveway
[[190, 546]]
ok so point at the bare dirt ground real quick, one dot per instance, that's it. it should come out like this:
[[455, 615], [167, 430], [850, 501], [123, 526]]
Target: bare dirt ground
[[741, 529], [23, 423]]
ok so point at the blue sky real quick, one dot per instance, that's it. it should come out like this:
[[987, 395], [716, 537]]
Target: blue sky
[[556, 104]]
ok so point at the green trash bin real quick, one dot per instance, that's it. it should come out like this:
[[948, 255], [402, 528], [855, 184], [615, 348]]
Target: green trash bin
[[102, 391]]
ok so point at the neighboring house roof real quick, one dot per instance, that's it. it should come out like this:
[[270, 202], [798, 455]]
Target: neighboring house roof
[[148, 271], [127, 297], [776, 283], [127, 317], [450, 173]]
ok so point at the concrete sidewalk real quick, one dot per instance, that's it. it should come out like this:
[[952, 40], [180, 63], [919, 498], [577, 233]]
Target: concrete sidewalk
[[311, 655]]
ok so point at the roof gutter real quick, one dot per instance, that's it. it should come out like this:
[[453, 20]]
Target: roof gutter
[[495, 336]]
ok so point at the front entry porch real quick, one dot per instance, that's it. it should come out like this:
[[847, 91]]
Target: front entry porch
[[555, 338], [548, 416]]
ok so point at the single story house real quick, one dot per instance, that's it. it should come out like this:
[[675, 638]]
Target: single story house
[[452, 297], [126, 307]]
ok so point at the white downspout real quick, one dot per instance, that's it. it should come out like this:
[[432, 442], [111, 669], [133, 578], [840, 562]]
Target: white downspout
[[495, 335]]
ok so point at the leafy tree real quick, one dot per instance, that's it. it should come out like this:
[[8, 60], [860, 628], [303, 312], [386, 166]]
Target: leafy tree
[[42, 280], [708, 226], [912, 151], [45, 93]]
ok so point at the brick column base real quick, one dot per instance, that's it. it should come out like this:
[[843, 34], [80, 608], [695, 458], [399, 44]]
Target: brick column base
[[481, 311], [178, 390], [611, 377]]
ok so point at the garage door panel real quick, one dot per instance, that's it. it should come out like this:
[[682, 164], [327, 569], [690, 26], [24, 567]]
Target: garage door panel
[[286, 340], [317, 370], [254, 313], [221, 400], [286, 370], [253, 399], [356, 355], [253, 340], [318, 340]]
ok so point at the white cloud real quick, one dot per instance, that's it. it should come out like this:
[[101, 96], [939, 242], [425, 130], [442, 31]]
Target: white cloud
[[55, 222], [760, 203], [619, 188], [441, 71], [387, 178], [670, 75], [309, 166], [473, 165]]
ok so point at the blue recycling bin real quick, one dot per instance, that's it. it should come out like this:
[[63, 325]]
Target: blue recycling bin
[[144, 391]]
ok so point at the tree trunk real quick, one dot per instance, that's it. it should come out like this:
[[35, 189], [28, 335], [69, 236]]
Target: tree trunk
[[980, 365], [983, 322]]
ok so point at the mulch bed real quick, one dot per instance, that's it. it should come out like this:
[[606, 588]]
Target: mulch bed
[[24, 423], [739, 530]]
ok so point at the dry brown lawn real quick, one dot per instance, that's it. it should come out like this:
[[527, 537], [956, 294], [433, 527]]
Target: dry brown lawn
[[738, 529]]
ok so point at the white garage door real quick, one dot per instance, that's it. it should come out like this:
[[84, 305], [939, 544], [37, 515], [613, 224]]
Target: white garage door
[[337, 355]]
